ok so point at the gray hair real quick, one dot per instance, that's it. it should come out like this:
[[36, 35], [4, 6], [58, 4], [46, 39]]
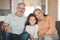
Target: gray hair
[[21, 3]]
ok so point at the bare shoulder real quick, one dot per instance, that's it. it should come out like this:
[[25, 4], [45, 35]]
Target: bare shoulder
[[49, 17]]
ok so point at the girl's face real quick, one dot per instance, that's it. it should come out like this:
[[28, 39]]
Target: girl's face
[[39, 15], [32, 20]]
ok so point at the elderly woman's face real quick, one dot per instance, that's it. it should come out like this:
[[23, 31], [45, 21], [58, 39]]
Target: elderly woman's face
[[39, 14]]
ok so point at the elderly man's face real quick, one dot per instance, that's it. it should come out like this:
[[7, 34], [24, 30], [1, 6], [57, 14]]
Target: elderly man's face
[[21, 9]]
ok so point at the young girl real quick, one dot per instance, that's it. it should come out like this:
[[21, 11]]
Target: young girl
[[32, 27]]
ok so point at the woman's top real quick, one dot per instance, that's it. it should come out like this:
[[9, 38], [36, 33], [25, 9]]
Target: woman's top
[[47, 26]]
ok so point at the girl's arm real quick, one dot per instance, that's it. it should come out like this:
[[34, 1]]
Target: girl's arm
[[27, 30]]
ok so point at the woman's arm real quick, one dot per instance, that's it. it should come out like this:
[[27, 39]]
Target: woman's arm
[[51, 23]]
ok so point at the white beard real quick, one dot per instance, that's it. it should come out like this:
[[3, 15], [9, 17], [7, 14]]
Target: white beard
[[21, 13]]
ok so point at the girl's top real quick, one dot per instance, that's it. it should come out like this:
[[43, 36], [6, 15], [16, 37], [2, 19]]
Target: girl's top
[[33, 30]]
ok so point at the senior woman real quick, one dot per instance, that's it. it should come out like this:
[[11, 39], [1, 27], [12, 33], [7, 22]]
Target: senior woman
[[47, 30]]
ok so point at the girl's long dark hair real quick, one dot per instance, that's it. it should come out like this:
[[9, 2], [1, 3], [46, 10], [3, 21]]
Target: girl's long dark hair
[[27, 22]]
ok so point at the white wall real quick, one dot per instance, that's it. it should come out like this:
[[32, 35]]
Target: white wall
[[58, 10]]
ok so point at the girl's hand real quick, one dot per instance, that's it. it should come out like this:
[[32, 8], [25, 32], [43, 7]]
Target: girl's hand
[[31, 37]]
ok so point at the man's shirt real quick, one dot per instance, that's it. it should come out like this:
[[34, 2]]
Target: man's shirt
[[17, 23]]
